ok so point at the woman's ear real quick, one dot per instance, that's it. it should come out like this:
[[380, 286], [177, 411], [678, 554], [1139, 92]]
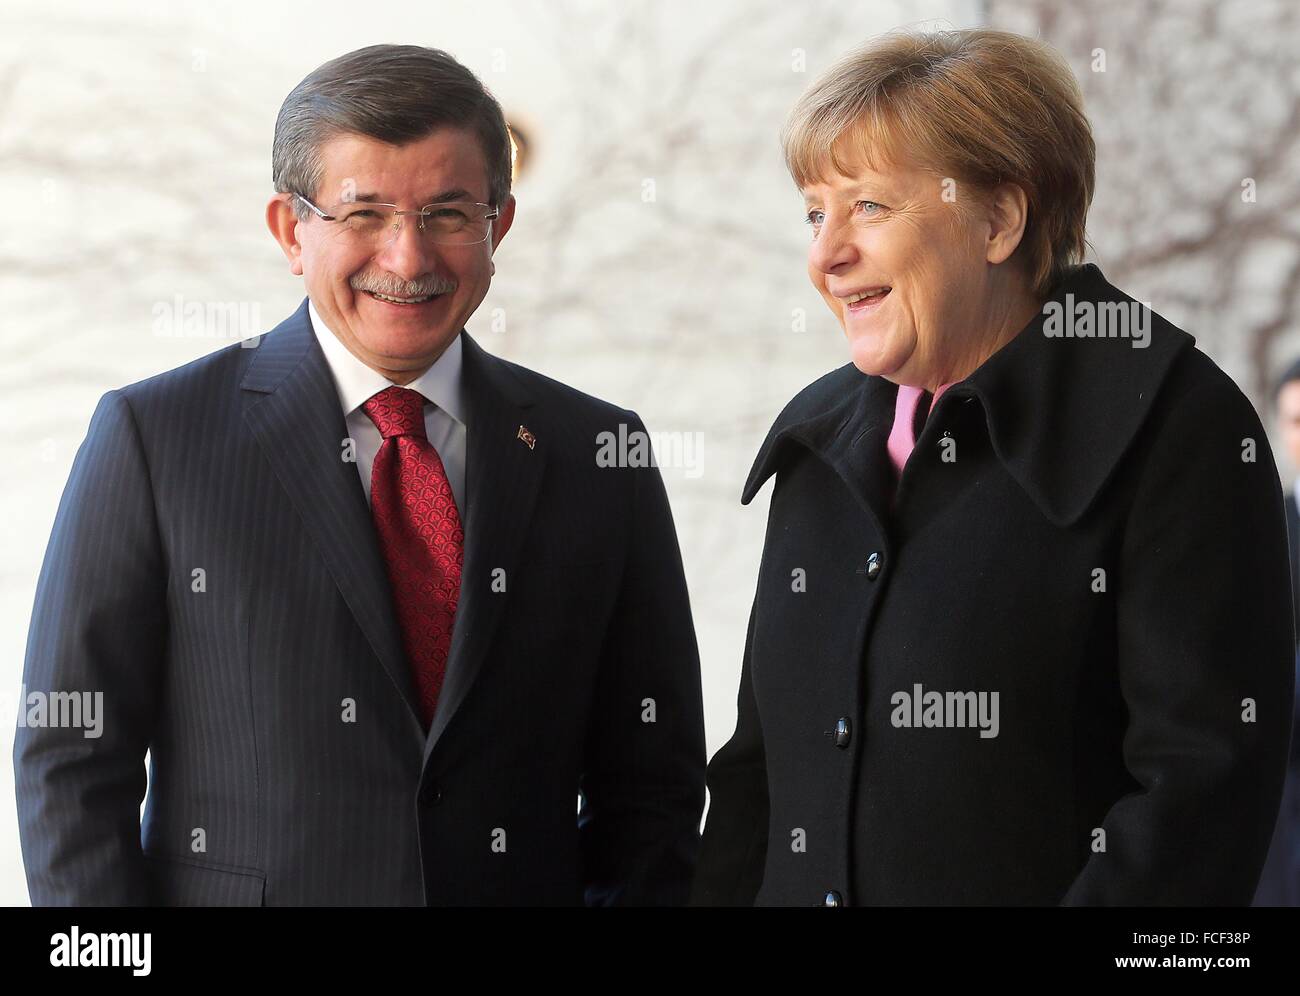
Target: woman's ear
[[1008, 213]]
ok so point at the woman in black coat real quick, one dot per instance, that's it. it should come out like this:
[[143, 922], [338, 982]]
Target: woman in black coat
[[1022, 632]]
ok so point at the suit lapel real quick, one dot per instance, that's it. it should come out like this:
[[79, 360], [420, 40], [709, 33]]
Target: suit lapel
[[503, 475], [299, 424]]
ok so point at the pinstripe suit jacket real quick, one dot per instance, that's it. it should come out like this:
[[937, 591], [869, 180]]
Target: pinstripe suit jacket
[[213, 571]]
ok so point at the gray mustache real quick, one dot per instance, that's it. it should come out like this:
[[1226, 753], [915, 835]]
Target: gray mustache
[[396, 287]]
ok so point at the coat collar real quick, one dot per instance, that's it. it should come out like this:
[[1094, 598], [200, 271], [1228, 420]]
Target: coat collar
[[297, 420], [1061, 412]]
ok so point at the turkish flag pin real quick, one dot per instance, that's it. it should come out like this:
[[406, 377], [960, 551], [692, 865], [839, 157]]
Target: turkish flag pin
[[528, 438]]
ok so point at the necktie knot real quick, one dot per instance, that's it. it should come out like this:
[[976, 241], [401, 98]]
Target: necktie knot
[[397, 411]]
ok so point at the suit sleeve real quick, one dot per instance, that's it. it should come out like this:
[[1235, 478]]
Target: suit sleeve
[[643, 781], [734, 849], [1205, 647], [98, 631]]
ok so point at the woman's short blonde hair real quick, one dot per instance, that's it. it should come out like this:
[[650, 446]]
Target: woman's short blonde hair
[[982, 107]]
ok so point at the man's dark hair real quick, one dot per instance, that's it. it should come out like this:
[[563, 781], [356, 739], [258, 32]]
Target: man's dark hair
[[394, 93]]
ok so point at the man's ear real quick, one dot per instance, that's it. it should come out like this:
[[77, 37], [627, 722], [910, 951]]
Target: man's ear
[[500, 225], [283, 223], [1008, 213]]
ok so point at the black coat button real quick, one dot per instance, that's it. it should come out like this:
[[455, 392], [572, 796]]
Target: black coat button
[[875, 564], [431, 794], [843, 732], [832, 899]]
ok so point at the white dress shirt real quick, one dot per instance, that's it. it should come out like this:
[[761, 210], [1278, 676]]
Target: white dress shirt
[[444, 411]]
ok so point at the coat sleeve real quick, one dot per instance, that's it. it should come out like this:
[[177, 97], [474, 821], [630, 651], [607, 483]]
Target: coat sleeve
[[642, 785], [734, 850], [98, 630], [1204, 663]]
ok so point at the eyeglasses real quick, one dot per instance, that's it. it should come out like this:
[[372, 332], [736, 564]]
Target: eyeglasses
[[449, 223]]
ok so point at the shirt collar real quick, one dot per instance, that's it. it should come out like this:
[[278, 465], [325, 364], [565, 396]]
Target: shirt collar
[[356, 383]]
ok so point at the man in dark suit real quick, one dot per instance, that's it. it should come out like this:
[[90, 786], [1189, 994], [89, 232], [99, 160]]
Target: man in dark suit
[[389, 630], [1279, 883]]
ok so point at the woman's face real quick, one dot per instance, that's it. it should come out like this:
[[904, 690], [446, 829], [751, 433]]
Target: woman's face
[[902, 239]]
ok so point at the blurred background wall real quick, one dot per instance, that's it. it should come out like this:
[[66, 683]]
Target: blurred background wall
[[657, 258]]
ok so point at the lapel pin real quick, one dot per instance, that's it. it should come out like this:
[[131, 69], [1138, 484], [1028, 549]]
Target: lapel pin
[[529, 439]]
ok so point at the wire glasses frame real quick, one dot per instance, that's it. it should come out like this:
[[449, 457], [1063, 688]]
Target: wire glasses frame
[[451, 225]]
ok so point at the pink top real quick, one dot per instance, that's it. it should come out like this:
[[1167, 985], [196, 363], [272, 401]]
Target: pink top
[[901, 436]]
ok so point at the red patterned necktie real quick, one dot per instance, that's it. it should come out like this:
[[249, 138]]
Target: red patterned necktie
[[420, 536]]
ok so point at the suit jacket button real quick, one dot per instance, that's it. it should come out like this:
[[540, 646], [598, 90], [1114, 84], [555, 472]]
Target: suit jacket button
[[432, 794], [832, 899], [875, 564]]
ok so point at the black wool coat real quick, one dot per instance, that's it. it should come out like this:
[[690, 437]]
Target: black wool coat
[[1090, 530]]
